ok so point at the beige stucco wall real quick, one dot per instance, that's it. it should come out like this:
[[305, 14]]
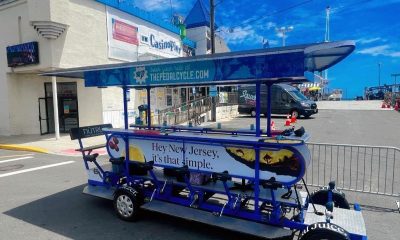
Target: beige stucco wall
[[83, 43]]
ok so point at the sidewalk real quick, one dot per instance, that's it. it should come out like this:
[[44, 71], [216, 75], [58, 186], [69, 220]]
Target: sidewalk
[[48, 144], [351, 105]]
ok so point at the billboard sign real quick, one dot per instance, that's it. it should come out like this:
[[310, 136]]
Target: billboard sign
[[23, 54]]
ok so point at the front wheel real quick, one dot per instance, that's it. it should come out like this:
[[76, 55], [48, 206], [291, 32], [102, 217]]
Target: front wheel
[[126, 203]]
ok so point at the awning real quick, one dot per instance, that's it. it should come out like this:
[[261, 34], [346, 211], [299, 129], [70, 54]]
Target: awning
[[286, 64]]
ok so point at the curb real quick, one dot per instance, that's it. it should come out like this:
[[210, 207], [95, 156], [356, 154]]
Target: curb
[[23, 148]]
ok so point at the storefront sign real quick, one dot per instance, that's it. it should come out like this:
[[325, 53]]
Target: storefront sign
[[161, 44], [23, 54], [245, 69], [124, 32]]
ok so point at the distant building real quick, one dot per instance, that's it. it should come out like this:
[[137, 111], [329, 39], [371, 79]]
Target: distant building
[[41, 35], [198, 29]]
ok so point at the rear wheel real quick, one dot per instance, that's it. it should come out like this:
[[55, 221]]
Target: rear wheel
[[321, 197], [323, 230]]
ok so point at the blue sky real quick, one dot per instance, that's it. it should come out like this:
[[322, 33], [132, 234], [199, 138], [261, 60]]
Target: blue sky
[[373, 24]]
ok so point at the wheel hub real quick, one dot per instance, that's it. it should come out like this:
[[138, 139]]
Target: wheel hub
[[124, 206]]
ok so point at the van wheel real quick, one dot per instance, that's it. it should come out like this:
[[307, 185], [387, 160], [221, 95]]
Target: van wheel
[[253, 113], [294, 113]]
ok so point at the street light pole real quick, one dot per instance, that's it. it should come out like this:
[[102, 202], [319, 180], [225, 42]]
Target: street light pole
[[212, 31], [379, 73], [283, 31]]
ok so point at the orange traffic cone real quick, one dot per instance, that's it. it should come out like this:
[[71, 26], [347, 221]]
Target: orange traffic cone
[[273, 125], [287, 122], [293, 119]]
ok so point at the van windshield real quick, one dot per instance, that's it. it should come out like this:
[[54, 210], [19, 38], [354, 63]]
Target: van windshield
[[297, 95]]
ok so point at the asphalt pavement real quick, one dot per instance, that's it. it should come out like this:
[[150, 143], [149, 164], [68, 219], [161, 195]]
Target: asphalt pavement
[[42, 193]]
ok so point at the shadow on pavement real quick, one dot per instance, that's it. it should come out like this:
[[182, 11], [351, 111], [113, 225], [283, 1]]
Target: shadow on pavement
[[75, 215]]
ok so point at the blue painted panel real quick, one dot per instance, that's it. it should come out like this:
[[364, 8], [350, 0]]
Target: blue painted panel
[[248, 68]]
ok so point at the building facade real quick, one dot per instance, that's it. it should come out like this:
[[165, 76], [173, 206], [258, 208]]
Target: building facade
[[42, 35]]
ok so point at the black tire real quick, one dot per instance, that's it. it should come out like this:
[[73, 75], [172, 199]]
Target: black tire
[[323, 230], [295, 113], [321, 197], [253, 112], [307, 116], [127, 203]]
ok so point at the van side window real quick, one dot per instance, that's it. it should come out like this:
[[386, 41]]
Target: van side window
[[285, 97]]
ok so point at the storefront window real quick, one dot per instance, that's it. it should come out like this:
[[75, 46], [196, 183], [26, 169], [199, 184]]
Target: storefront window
[[169, 97]]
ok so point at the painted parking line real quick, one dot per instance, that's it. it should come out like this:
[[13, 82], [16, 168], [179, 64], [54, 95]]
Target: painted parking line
[[19, 155], [15, 159], [35, 169]]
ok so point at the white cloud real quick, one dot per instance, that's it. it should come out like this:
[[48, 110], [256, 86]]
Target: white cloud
[[158, 5], [368, 40], [271, 25], [384, 50], [240, 34]]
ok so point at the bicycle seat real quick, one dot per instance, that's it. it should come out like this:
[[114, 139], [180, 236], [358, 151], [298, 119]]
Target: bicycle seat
[[90, 157], [118, 161], [224, 176]]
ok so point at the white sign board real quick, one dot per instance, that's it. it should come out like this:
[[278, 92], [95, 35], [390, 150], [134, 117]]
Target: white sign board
[[282, 164], [130, 37]]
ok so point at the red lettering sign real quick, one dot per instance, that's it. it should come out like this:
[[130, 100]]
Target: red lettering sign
[[124, 32]]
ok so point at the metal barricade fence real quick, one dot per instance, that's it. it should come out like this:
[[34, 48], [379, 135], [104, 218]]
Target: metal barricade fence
[[359, 168]]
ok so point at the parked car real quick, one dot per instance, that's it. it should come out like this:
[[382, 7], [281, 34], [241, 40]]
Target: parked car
[[285, 100], [359, 98]]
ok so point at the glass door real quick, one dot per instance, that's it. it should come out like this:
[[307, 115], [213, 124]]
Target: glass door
[[43, 116], [67, 106]]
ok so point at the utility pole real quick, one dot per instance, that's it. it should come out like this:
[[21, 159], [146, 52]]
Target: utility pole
[[327, 33], [395, 75], [212, 20], [212, 30]]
